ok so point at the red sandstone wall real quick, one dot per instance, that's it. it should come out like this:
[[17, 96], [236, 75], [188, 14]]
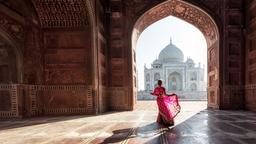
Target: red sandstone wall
[[67, 71], [24, 61], [232, 61], [250, 95], [33, 56], [67, 56], [119, 47]]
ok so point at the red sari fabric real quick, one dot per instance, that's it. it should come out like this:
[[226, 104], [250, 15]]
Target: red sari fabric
[[168, 105]]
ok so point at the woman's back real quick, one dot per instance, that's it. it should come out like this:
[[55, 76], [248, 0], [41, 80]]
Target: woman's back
[[159, 91]]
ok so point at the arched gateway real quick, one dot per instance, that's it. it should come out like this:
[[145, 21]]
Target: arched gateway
[[129, 19], [200, 19]]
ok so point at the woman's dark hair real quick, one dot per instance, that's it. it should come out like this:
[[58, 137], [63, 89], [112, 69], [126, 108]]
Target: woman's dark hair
[[159, 82]]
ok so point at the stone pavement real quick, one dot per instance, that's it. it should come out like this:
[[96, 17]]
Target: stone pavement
[[194, 125]]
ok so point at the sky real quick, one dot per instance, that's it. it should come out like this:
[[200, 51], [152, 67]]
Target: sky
[[155, 37]]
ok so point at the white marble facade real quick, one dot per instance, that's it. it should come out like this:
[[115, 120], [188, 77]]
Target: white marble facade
[[177, 76]]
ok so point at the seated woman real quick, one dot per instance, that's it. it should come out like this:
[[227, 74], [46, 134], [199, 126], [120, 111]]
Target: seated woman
[[168, 105]]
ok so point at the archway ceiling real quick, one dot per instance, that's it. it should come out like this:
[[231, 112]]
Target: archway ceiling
[[61, 13], [184, 11], [22, 7]]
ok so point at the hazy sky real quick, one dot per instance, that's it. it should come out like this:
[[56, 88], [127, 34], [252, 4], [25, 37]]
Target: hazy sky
[[155, 37]]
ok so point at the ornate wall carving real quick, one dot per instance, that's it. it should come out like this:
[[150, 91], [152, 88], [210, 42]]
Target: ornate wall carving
[[12, 27], [184, 11], [61, 13], [34, 100], [65, 99], [10, 101], [213, 76]]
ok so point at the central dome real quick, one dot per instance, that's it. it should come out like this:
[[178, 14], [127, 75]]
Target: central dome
[[171, 53]]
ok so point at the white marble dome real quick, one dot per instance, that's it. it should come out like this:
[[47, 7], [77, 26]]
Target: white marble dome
[[171, 53]]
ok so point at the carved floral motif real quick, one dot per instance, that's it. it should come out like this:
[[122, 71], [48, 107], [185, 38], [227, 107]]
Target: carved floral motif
[[183, 11], [12, 27]]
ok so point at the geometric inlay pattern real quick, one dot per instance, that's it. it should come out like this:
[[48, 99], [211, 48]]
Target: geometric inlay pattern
[[61, 13]]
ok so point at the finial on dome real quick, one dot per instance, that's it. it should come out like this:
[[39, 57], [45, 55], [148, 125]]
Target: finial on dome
[[171, 40]]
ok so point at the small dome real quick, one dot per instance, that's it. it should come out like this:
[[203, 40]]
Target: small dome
[[189, 60], [156, 61], [190, 63], [171, 53]]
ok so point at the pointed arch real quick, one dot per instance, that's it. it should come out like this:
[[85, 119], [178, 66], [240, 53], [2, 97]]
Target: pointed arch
[[16, 48], [200, 19]]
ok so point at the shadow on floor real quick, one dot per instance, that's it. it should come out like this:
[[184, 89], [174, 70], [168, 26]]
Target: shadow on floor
[[207, 126], [146, 131], [24, 122]]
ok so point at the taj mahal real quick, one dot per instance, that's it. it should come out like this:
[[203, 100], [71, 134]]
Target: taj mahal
[[181, 77]]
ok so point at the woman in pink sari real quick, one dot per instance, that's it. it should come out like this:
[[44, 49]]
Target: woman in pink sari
[[168, 105]]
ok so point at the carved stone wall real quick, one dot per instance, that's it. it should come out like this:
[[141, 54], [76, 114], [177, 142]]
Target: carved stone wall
[[67, 57], [232, 93], [10, 101], [250, 92], [118, 62], [67, 72], [12, 26], [63, 99], [8, 64], [24, 40], [213, 71], [35, 100], [33, 57], [55, 59]]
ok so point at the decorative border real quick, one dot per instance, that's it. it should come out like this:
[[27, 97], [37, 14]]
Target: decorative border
[[13, 90], [250, 87], [35, 109], [33, 92], [183, 10]]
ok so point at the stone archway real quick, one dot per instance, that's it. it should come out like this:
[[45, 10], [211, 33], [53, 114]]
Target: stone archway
[[14, 57], [200, 19]]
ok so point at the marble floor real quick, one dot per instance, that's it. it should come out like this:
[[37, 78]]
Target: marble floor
[[194, 125]]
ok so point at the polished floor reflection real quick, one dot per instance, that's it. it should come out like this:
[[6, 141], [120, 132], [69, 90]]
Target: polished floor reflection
[[194, 125]]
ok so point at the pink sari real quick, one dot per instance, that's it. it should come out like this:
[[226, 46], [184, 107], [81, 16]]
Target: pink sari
[[168, 106]]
